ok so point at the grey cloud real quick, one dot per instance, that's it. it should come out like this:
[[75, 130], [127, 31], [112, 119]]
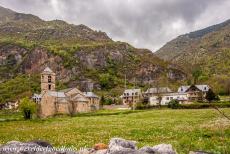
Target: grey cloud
[[142, 23]]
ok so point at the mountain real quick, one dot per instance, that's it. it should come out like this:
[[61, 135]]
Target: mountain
[[207, 49], [79, 55]]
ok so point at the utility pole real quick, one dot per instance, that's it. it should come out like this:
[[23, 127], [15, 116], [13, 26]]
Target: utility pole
[[134, 93], [134, 83], [125, 82]]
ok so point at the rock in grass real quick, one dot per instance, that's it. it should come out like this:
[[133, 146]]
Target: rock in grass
[[164, 149], [121, 146], [147, 150], [42, 143], [36, 147], [93, 151], [122, 143], [116, 146], [100, 146], [104, 151], [158, 149], [199, 152]]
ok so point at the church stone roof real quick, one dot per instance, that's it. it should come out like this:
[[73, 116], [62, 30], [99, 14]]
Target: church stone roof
[[57, 94], [90, 94], [47, 70], [66, 90]]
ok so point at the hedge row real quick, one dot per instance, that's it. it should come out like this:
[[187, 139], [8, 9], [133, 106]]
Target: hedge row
[[189, 106], [204, 105]]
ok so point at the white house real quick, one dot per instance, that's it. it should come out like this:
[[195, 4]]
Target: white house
[[37, 98], [11, 105], [153, 91], [195, 92], [203, 88], [165, 98]]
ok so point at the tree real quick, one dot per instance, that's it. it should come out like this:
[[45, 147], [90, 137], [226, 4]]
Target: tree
[[174, 104], [227, 87], [102, 101], [210, 96], [196, 73], [27, 107], [106, 81]]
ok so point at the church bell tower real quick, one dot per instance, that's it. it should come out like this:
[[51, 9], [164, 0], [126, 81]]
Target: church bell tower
[[48, 78]]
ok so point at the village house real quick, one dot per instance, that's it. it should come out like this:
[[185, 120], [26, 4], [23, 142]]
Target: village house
[[163, 95], [154, 91], [165, 98], [67, 101], [10, 105], [195, 92], [132, 96], [37, 98]]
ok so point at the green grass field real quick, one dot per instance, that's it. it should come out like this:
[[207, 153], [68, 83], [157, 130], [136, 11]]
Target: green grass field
[[185, 129]]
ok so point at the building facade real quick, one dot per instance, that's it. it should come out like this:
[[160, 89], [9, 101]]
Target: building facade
[[165, 98], [68, 101], [196, 93], [132, 97], [163, 95]]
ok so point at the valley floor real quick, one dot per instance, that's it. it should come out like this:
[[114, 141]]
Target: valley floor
[[186, 130]]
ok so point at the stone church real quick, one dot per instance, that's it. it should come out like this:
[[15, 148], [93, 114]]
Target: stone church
[[68, 101]]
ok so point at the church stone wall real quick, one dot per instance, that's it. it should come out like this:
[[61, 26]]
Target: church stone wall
[[47, 106], [63, 108], [82, 107]]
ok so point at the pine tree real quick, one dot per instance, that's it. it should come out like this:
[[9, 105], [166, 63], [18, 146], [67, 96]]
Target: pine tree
[[210, 96]]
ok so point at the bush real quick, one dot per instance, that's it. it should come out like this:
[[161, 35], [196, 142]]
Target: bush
[[174, 104], [140, 106], [205, 105], [27, 107], [19, 87], [108, 101], [211, 96], [107, 81]]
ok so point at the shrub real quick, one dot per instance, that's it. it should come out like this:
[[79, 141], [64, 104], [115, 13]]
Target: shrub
[[108, 101], [27, 107], [205, 105], [211, 96], [141, 106], [107, 81], [174, 104], [102, 101]]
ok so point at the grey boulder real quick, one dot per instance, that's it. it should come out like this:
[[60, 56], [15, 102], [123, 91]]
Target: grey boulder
[[34, 147]]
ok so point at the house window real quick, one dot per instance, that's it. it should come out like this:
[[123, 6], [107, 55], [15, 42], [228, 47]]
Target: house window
[[49, 79], [136, 93], [167, 98], [49, 87]]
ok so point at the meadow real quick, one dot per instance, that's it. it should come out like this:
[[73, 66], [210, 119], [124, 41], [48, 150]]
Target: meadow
[[186, 130]]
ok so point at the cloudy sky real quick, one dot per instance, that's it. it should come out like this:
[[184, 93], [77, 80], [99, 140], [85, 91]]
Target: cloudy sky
[[142, 23]]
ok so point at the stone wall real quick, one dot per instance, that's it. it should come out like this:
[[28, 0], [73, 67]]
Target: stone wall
[[47, 106], [115, 146], [63, 108], [82, 107]]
